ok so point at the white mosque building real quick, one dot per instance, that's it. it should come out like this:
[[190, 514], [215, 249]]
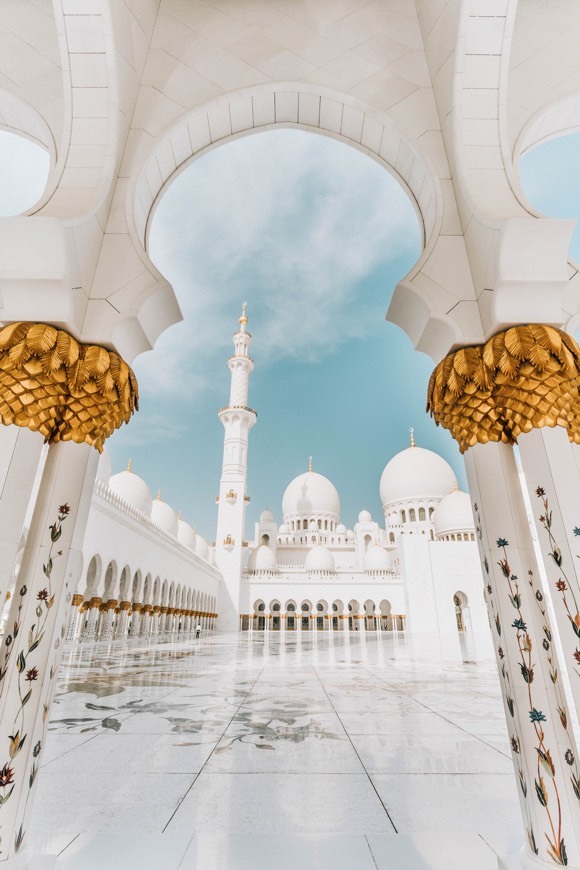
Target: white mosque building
[[416, 571]]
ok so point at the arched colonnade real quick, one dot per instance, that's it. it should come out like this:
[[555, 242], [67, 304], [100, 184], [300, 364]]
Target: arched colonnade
[[114, 602], [295, 614]]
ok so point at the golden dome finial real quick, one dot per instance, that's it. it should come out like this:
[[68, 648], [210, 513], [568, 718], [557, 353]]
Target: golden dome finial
[[310, 463], [455, 487], [158, 495], [411, 433], [178, 515], [129, 465], [244, 318]]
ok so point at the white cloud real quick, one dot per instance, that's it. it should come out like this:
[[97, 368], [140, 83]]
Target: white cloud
[[290, 221]]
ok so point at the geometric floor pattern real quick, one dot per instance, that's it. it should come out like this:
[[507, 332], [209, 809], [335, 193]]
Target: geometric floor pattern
[[273, 751]]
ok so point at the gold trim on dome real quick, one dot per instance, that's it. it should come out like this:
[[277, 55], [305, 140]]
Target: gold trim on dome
[[68, 391], [524, 378]]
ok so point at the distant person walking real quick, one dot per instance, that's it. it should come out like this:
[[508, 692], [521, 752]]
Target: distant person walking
[[197, 630]]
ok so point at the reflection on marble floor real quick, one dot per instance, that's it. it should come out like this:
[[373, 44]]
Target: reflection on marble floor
[[217, 752]]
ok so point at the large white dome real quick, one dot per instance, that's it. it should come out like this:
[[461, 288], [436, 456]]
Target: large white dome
[[454, 514], [164, 516], [310, 493], [416, 473], [262, 559], [319, 559], [132, 489]]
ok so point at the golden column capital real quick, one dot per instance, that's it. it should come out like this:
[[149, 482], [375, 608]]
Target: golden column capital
[[77, 600], [524, 378], [68, 391]]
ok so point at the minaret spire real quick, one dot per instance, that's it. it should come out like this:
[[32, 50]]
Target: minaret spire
[[237, 419]]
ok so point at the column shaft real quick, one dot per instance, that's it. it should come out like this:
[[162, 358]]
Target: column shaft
[[552, 474], [20, 451], [51, 565], [543, 748]]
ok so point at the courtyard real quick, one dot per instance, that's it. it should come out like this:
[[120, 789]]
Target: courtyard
[[307, 750]]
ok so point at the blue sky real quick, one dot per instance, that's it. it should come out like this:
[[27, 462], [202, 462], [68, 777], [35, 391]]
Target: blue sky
[[314, 236]]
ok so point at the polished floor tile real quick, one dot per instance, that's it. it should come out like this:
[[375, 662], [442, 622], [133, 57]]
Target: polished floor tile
[[263, 752]]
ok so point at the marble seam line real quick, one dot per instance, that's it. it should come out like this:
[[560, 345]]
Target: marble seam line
[[200, 771], [445, 719], [357, 754]]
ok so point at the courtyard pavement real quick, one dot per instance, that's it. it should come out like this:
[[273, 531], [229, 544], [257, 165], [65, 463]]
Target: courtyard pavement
[[277, 751]]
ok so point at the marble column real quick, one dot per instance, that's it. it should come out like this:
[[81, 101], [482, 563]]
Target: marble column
[[108, 619], [145, 628], [123, 620], [92, 612], [135, 629], [551, 467], [20, 453], [155, 621], [544, 753], [73, 620], [50, 567]]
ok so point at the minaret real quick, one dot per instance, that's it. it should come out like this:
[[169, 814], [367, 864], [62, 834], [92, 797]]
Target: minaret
[[237, 419]]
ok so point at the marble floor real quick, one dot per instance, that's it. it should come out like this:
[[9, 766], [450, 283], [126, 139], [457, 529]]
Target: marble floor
[[317, 751]]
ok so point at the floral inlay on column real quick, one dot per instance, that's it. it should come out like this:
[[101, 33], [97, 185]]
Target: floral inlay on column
[[29, 675], [545, 783], [563, 584]]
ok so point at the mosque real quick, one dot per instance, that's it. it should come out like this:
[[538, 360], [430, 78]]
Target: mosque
[[142, 749], [149, 573]]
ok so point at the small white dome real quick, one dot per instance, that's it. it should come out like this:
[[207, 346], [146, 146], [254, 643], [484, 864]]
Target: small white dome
[[262, 559], [319, 559], [454, 514], [365, 517], [350, 534], [415, 473], [266, 516], [104, 466], [132, 489], [310, 493], [341, 529], [201, 547], [283, 530], [164, 516], [185, 535], [377, 559]]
